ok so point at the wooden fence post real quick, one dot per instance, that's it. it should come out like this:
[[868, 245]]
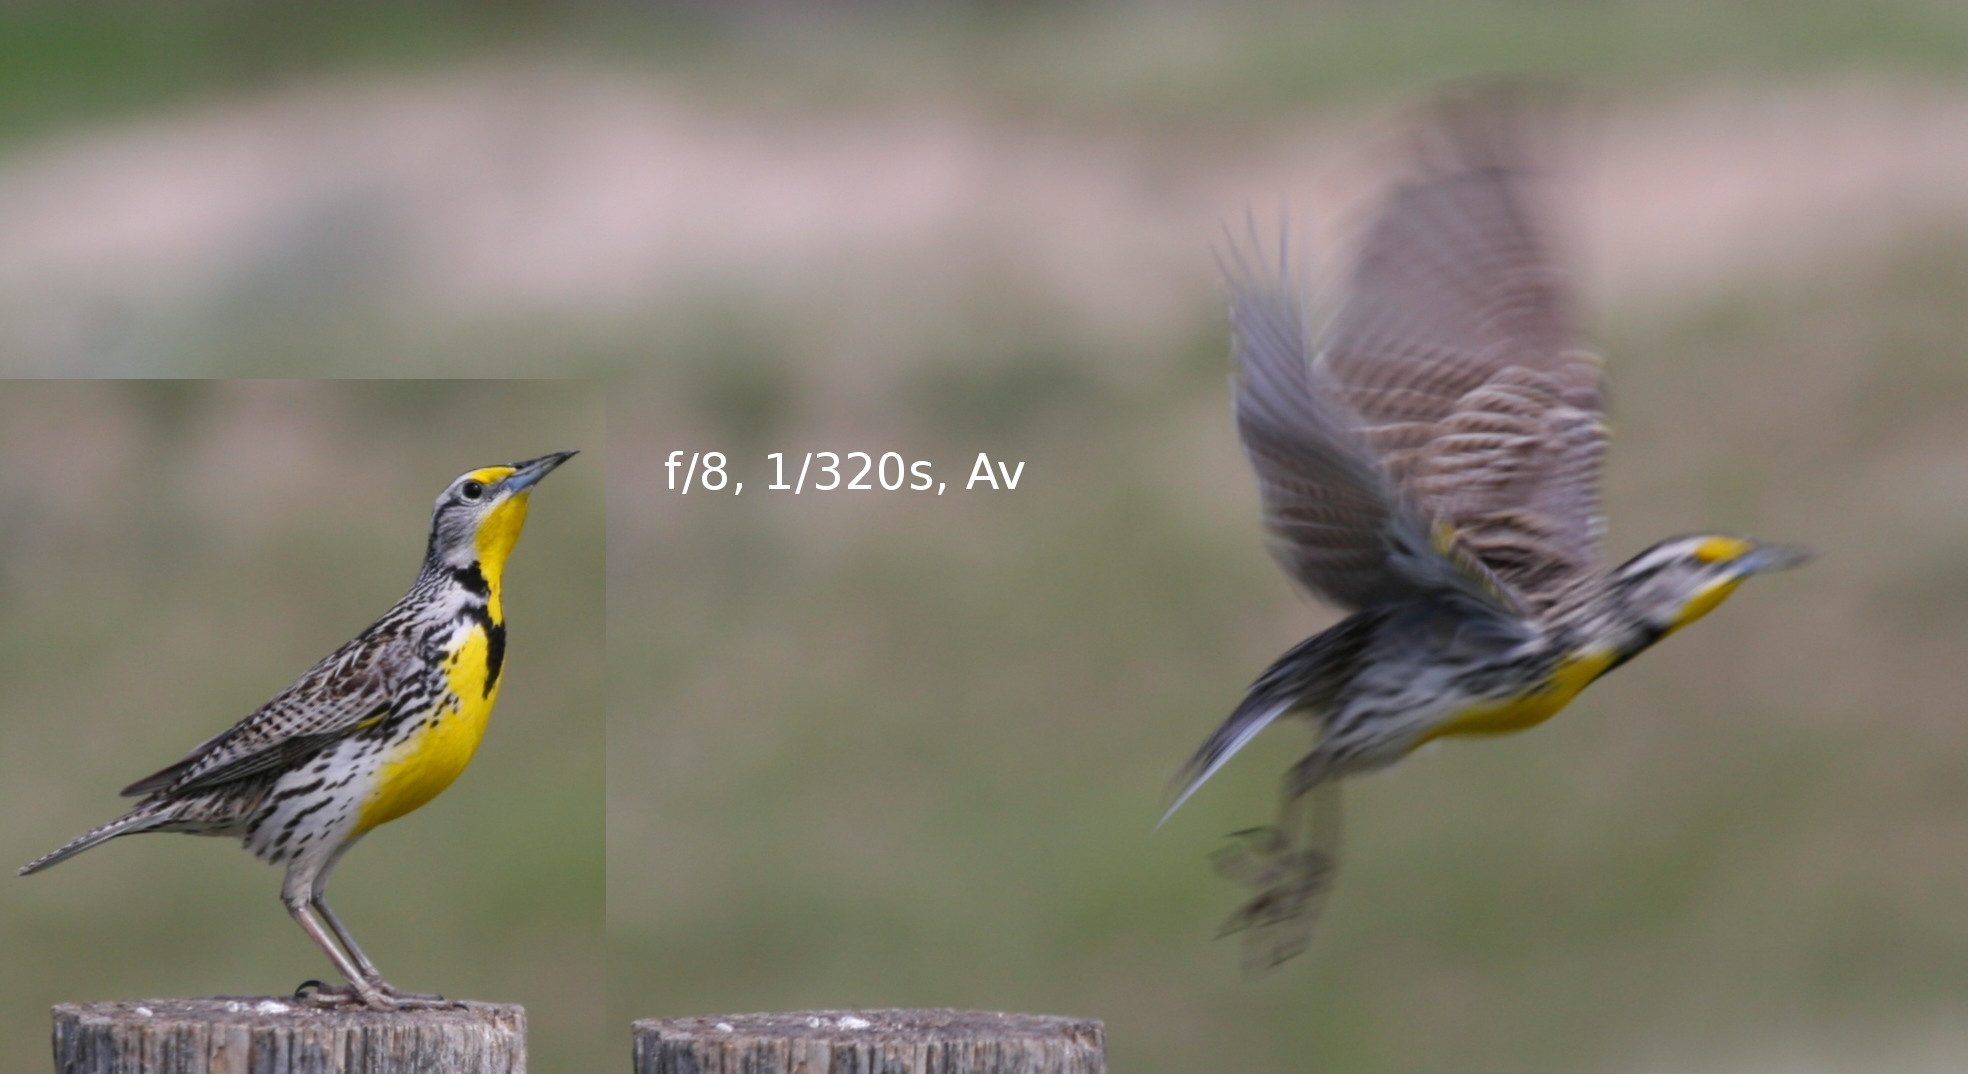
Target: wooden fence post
[[262, 1035], [871, 1042]]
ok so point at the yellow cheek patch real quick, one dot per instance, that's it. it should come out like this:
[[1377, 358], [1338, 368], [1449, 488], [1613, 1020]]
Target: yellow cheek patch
[[420, 768], [1532, 707], [1704, 601], [1721, 549]]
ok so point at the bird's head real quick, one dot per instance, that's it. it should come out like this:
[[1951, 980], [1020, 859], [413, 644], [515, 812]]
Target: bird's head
[[478, 516], [1682, 579]]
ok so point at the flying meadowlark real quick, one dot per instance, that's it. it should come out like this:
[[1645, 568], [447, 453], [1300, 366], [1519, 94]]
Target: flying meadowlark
[[1431, 465], [373, 731]]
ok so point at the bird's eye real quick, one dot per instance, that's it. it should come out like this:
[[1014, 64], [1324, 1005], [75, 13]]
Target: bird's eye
[[471, 490]]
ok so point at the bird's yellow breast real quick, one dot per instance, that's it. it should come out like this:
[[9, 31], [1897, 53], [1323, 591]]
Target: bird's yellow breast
[[1530, 708], [417, 769]]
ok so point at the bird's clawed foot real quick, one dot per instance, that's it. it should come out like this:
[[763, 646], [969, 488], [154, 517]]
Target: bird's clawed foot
[[422, 1000], [376, 995], [342, 997], [1290, 882]]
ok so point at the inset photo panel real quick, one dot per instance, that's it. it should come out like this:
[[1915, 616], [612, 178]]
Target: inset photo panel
[[281, 614]]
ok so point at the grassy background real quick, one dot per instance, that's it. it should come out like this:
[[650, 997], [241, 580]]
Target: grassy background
[[882, 748], [67, 64], [174, 554]]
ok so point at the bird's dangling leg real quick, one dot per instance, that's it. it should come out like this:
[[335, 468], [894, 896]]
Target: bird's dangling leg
[[1290, 866]]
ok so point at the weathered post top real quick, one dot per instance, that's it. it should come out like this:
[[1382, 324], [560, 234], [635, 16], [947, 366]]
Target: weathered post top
[[267, 1035], [871, 1042]]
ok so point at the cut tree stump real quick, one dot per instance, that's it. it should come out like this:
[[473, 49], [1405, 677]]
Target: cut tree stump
[[266, 1035], [871, 1042]]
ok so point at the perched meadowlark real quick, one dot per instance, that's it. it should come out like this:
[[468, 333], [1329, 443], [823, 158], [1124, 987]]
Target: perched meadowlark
[[370, 733], [1431, 465]]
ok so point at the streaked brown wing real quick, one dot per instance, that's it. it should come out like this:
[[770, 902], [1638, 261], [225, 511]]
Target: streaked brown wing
[[1456, 345], [356, 683]]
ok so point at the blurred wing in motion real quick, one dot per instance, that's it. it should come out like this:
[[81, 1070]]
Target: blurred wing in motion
[[1339, 526], [1327, 504], [1455, 344]]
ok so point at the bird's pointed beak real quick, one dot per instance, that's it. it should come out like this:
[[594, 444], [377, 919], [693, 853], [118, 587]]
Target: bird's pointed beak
[[1774, 557], [527, 474]]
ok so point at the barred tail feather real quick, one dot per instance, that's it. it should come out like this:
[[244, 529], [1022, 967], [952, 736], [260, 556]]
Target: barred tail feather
[[1306, 678], [1254, 715], [141, 819]]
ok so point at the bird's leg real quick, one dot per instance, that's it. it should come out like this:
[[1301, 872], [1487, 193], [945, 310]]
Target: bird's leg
[[370, 973], [360, 988], [368, 969], [1291, 870]]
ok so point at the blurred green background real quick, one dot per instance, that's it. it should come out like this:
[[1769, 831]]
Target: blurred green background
[[880, 748], [174, 553]]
